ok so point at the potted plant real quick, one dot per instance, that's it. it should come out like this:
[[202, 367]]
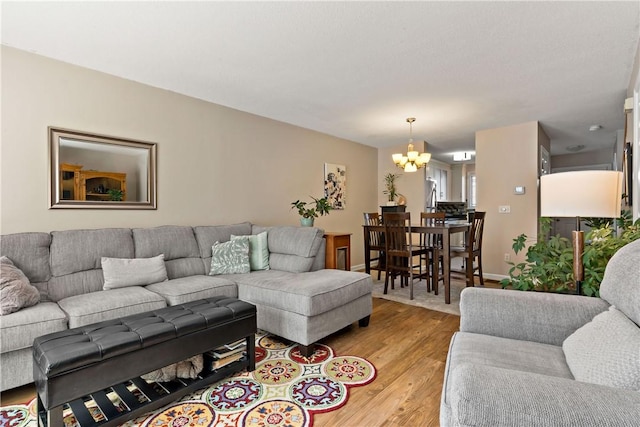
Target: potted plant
[[391, 191], [308, 211], [115, 195], [549, 262]]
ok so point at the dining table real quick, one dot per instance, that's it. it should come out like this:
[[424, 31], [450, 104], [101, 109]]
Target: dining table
[[445, 231]]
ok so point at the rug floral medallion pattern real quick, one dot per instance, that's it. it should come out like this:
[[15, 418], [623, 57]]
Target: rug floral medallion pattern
[[285, 390]]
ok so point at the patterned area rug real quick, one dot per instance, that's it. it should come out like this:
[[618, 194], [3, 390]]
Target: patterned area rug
[[286, 389]]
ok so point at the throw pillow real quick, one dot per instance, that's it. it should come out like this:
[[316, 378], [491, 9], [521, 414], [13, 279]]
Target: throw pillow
[[124, 272], [258, 250], [16, 292], [605, 351], [230, 257]]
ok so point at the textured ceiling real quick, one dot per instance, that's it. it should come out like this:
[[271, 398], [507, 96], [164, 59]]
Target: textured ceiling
[[356, 70]]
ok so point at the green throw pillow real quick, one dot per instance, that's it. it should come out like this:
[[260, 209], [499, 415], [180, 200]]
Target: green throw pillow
[[230, 257], [258, 250]]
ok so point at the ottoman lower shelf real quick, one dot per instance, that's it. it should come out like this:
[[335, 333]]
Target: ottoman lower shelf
[[114, 415]]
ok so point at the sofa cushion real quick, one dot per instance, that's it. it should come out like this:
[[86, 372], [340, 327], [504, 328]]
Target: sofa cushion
[[15, 290], [490, 396], [123, 272], [619, 285], [606, 351], [186, 289], [76, 259], [258, 250], [177, 243], [506, 353], [230, 257], [308, 294], [112, 304], [30, 253], [207, 235], [20, 328], [292, 248]]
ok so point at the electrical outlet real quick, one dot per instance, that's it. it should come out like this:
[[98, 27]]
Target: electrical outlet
[[507, 257], [504, 209]]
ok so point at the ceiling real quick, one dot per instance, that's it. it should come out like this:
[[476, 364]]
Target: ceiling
[[357, 70]]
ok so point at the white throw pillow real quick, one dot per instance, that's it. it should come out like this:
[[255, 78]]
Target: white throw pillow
[[606, 351], [258, 250], [124, 272]]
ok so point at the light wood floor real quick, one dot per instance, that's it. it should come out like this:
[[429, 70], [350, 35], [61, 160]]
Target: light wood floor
[[407, 344]]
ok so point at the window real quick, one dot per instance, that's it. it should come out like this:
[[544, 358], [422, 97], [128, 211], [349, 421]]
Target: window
[[471, 186]]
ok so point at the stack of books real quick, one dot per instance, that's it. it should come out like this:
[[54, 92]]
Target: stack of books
[[225, 355]]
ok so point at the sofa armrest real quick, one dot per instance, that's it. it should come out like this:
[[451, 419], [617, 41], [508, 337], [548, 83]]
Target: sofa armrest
[[489, 396], [532, 316]]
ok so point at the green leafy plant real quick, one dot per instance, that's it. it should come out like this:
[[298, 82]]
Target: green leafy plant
[[312, 209], [390, 184], [115, 195], [549, 262]]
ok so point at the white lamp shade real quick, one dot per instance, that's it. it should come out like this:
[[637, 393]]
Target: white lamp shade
[[410, 167], [581, 194]]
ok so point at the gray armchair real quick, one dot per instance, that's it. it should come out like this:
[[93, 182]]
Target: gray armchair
[[542, 359]]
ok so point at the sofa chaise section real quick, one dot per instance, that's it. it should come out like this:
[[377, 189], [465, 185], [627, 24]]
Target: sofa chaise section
[[306, 307]]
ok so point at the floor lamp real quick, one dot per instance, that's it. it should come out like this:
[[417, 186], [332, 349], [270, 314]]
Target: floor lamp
[[578, 194]]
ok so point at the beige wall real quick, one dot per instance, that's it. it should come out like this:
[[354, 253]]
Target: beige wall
[[410, 184], [216, 165], [590, 158], [507, 157]]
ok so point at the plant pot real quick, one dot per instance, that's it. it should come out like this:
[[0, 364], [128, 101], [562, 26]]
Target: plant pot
[[392, 203], [306, 222]]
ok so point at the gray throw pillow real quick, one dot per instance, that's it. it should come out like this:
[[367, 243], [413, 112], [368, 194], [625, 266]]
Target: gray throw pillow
[[606, 351], [124, 272], [230, 257], [16, 292], [258, 250]]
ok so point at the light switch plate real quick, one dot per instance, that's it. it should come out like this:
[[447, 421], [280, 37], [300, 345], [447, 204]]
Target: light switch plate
[[518, 189], [504, 209]]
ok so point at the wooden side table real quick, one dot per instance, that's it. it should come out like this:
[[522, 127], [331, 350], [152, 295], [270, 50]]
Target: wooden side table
[[338, 253]]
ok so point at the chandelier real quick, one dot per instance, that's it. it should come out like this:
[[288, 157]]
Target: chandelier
[[413, 160]]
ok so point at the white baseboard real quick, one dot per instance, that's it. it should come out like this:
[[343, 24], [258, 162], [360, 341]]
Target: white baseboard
[[496, 277], [490, 276], [359, 267]]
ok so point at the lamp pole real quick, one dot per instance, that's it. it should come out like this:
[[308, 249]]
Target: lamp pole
[[578, 249]]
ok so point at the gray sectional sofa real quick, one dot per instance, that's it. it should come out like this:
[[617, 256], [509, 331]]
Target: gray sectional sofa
[[296, 298], [541, 359]]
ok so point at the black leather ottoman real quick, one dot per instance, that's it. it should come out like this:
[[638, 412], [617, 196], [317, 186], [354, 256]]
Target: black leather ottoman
[[103, 357]]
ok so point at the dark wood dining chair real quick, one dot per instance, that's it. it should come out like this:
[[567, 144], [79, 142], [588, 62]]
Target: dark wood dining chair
[[373, 243], [432, 242], [472, 250], [400, 251]]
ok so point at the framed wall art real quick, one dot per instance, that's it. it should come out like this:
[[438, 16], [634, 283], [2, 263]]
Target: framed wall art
[[335, 185]]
